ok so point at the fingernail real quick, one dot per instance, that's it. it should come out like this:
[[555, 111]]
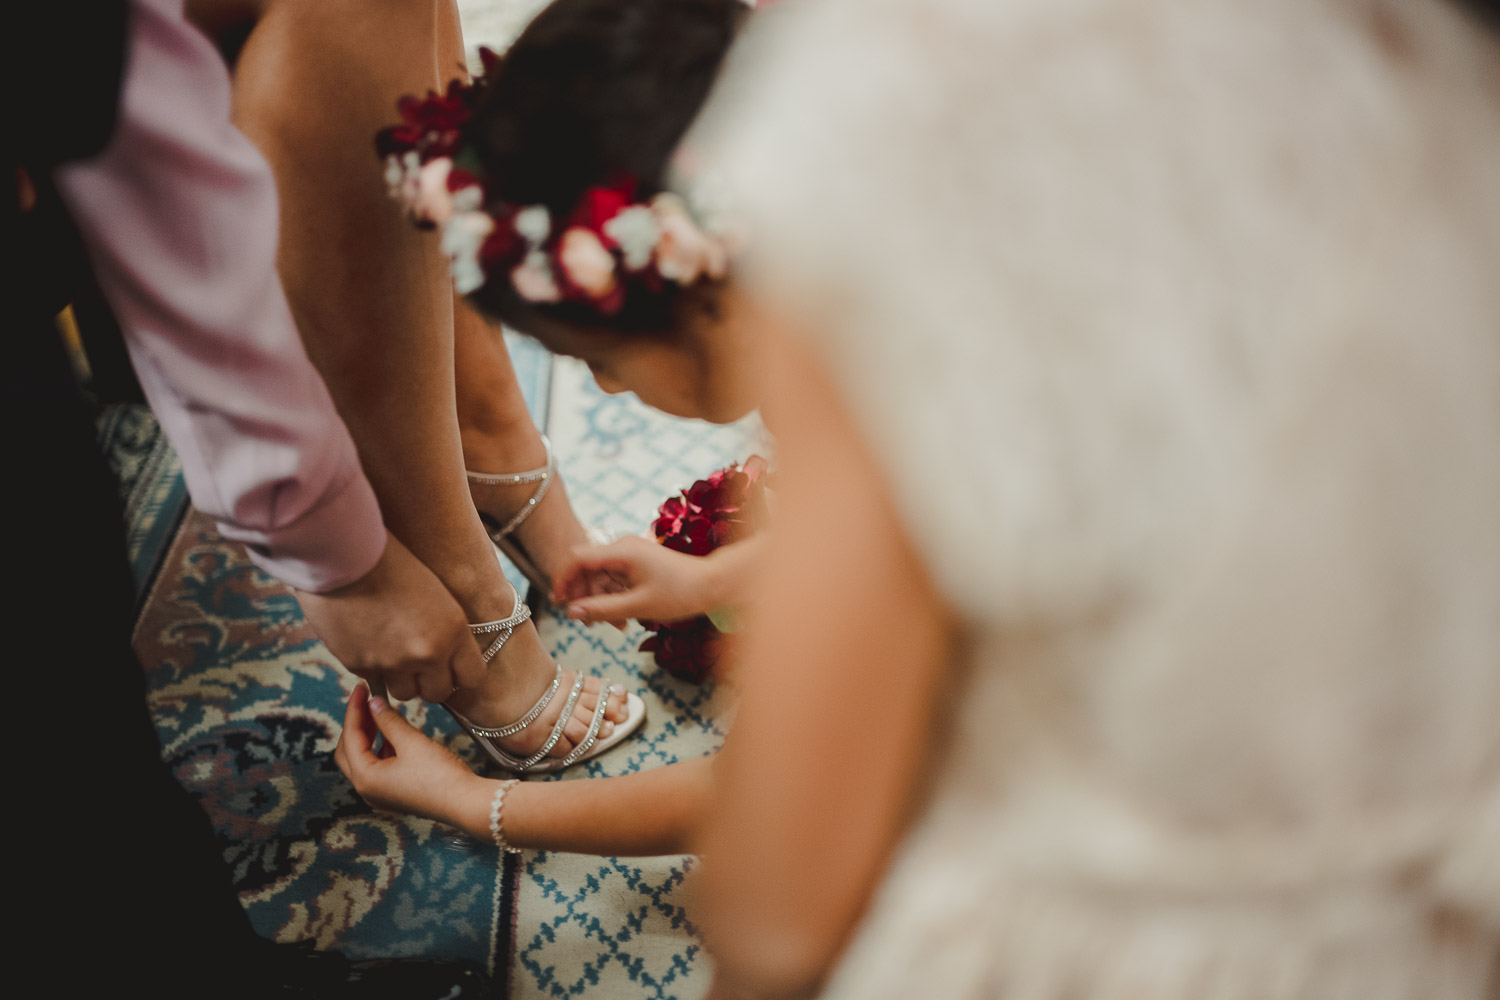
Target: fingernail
[[377, 705], [577, 612]]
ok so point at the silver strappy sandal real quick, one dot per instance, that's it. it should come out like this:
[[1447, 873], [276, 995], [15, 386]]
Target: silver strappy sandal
[[501, 534], [590, 746]]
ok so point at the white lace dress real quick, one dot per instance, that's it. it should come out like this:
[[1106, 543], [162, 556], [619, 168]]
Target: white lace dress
[[1177, 327]]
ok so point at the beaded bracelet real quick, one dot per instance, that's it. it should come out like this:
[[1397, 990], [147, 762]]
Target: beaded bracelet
[[496, 805]]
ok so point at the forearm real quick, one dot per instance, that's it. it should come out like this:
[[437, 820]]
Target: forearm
[[846, 619], [635, 815], [179, 217]]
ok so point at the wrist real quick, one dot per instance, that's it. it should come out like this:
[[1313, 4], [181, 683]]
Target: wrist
[[469, 806]]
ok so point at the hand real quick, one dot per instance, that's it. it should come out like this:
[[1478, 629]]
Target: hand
[[659, 583], [399, 624], [411, 773]]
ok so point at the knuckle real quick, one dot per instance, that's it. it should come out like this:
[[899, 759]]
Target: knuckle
[[421, 650]]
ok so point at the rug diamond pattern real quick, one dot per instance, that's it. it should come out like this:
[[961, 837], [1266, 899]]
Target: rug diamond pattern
[[621, 927]]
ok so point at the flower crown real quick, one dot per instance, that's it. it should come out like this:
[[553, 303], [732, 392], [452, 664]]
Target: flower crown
[[607, 245]]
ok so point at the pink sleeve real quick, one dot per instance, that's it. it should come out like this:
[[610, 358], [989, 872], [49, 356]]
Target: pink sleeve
[[179, 215]]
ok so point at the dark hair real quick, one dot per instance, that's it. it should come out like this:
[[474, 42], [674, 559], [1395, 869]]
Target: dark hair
[[592, 91]]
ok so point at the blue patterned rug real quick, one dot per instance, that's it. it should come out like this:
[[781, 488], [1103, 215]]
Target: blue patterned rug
[[150, 481], [248, 704]]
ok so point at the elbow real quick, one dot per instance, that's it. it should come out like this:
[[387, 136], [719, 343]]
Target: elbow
[[780, 963], [776, 951]]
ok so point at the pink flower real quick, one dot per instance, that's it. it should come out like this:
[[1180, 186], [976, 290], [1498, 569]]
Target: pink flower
[[684, 252], [586, 263], [434, 202], [533, 279]]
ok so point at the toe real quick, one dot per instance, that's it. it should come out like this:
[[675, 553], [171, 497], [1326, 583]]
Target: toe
[[577, 729], [575, 734], [619, 709]]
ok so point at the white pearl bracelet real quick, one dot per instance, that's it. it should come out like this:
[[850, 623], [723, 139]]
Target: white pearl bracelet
[[496, 805]]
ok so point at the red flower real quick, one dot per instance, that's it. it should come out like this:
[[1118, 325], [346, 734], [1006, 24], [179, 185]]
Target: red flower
[[714, 511], [669, 518], [459, 178], [597, 206], [695, 536], [687, 650], [503, 246], [431, 125]]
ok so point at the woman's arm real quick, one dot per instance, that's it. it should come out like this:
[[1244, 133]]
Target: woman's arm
[[843, 661], [653, 812]]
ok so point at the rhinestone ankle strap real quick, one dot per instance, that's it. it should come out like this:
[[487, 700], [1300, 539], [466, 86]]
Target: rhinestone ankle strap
[[506, 627], [544, 476]]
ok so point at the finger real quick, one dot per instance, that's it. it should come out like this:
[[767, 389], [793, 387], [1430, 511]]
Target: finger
[[569, 584], [359, 730], [393, 726], [634, 603], [617, 557], [400, 686], [436, 683], [468, 666], [605, 583], [600, 582], [618, 709]]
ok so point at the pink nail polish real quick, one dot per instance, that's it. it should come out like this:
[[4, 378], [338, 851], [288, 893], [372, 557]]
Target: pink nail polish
[[377, 705]]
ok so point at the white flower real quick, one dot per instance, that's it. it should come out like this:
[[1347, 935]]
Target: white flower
[[394, 175], [586, 262], [534, 224], [636, 231], [409, 189], [533, 279], [463, 235]]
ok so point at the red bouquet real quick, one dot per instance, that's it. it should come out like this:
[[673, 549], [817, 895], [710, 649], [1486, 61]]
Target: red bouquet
[[716, 511]]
